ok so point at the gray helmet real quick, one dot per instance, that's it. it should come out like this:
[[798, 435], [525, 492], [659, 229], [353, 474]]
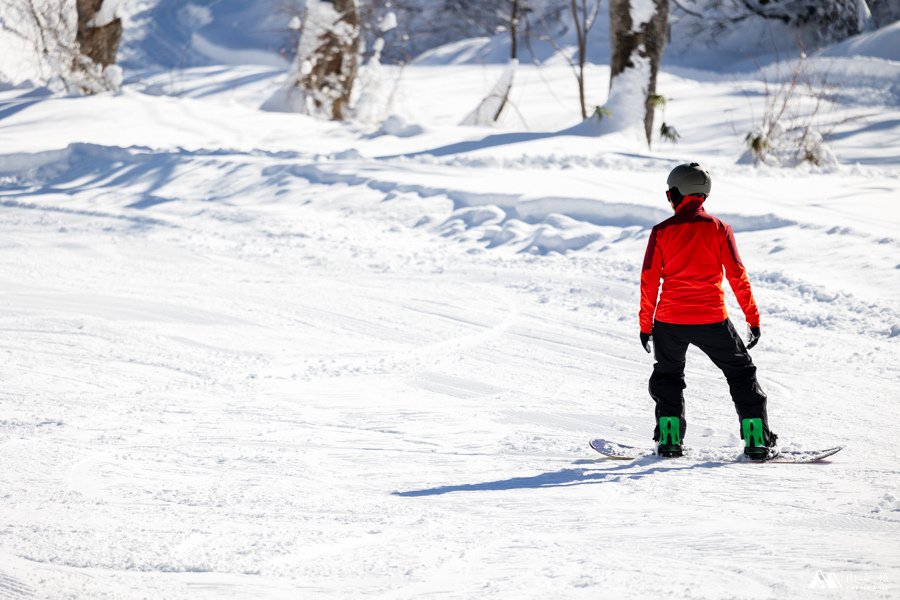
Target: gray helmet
[[690, 180]]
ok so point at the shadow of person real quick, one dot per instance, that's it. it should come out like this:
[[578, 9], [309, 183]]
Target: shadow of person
[[637, 469]]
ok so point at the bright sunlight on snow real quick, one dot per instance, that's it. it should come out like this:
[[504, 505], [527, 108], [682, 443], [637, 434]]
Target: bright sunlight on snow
[[256, 354]]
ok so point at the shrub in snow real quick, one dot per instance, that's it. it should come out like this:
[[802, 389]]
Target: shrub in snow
[[788, 148], [667, 131], [91, 78], [788, 133]]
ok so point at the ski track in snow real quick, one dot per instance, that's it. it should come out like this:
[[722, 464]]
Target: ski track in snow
[[273, 374]]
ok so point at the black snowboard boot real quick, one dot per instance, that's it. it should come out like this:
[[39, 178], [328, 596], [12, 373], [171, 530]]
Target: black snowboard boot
[[669, 437], [758, 444]]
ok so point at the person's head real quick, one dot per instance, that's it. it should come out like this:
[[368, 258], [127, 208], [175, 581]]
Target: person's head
[[689, 179]]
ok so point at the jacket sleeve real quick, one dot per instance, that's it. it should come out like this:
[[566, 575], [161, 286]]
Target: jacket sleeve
[[737, 277], [651, 271]]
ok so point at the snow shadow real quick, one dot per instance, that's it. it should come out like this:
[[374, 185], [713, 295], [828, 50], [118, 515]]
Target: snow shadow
[[137, 175], [10, 107], [203, 88], [491, 141], [83, 166], [134, 175], [639, 469], [136, 221]]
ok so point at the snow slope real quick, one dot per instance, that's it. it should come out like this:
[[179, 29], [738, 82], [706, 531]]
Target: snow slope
[[248, 354]]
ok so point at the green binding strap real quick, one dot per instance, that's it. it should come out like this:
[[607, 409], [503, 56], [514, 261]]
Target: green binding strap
[[753, 433], [670, 431]]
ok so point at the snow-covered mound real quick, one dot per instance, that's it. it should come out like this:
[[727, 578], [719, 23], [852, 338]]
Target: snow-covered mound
[[882, 43]]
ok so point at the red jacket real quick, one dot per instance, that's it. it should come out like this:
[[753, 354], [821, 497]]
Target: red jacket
[[688, 252]]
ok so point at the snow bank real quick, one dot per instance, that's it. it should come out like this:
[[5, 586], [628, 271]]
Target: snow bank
[[397, 126], [33, 163], [882, 43]]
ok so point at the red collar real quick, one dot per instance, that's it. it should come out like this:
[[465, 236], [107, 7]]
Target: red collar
[[695, 202]]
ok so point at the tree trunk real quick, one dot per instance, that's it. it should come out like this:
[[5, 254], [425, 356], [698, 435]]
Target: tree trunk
[[515, 15], [581, 37], [100, 44], [334, 61], [637, 50]]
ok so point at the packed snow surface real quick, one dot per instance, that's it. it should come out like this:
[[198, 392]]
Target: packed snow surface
[[251, 354]]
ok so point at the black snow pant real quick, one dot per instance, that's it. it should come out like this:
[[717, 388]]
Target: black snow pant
[[722, 344]]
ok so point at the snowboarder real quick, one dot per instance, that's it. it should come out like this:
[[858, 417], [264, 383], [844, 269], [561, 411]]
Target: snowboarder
[[688, 253]]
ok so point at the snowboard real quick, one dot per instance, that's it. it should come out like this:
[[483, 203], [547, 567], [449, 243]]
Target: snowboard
[[617, 451]]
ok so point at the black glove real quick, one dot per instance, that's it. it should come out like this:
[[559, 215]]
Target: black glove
[[752, 336], [645, 341]]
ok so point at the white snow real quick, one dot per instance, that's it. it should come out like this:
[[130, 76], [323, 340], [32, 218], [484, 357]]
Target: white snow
[[642, 11], [389, 22], [397, 126], [224, 55], [253, 354], [624, 107]]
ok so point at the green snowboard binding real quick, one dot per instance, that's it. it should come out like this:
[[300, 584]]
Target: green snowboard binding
[[669, 437], [755, 446]]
